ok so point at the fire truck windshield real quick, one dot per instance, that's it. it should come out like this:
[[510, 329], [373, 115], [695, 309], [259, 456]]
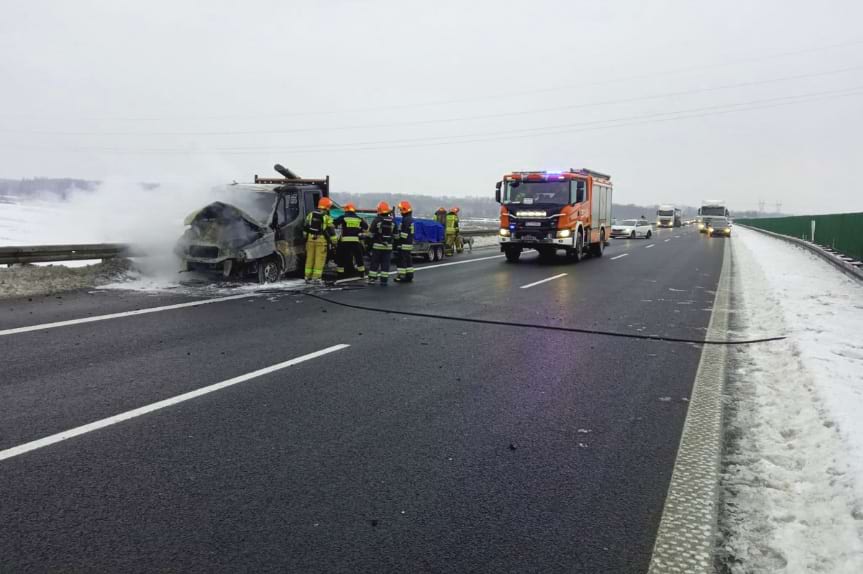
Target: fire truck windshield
[[537, 192]]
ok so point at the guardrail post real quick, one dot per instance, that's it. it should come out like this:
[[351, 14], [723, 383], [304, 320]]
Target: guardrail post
[[812, 227]]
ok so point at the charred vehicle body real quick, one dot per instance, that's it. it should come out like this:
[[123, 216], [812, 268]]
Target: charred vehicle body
[[252, 230]]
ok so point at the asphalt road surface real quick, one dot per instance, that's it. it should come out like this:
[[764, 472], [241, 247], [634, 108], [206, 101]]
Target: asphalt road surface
[[423, 445]]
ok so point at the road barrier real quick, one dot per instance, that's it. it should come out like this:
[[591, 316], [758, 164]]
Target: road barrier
[[52, 253], [55, 253], [842, 232]]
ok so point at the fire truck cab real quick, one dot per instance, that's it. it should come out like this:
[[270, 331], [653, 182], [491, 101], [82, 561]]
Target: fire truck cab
[[554, 211]]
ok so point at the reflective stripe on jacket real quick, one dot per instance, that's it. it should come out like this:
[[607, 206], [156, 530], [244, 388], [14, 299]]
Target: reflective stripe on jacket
[[351, 225]]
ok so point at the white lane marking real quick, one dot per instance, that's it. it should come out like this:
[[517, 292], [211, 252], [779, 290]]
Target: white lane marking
[[439, 265], [436, 266], [100, 424], [17, 330], [619, 256], [93, 319], [651, 245], [667, 240], [542, 281]]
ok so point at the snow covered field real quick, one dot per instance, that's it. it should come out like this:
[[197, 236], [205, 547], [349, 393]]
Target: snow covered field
[[793, 474]]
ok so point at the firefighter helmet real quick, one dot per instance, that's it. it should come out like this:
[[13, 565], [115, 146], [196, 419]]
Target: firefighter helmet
[[350, 207], [383, 208], [454, 210], [325, 203], [405, 207]]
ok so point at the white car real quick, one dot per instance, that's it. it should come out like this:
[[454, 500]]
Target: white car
[[632, 228]]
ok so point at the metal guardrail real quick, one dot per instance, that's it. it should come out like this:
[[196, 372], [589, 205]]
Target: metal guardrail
[[53, 253], [81, 252]]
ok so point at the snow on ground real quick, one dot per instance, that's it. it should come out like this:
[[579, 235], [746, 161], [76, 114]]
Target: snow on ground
[[793, 472], [42, 280]]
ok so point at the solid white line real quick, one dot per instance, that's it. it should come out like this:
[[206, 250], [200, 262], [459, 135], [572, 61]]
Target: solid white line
[[43, 326], [439, 265], [77, 431], [619, 256], [93, 319], [651, 245], [543, 281]]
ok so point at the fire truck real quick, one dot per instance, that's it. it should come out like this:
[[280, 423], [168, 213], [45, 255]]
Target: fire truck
[[552, 211]]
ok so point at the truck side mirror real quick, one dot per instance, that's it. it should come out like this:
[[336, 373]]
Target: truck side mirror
[[497, 192]]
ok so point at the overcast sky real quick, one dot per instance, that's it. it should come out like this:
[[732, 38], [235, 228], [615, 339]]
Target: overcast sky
[[678, 101]]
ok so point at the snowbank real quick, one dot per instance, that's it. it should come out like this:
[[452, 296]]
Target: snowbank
[[40, 280], [793, 472]]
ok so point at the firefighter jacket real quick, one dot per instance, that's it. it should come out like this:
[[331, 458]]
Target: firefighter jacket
[[318, 223], [451, 222], [351, 226], [406, 233], [383, 229]]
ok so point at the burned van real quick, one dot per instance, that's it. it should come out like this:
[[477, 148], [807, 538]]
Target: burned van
[[252, 231]]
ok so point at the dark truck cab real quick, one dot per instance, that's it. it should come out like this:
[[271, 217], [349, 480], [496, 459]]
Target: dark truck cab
[[252, 230]]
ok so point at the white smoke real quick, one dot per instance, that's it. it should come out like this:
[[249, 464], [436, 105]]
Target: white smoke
[[116, 211]]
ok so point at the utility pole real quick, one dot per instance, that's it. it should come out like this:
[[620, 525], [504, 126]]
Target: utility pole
[[760, 206], [778, 207]]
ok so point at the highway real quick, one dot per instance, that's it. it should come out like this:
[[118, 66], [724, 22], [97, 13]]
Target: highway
[[348, 440]]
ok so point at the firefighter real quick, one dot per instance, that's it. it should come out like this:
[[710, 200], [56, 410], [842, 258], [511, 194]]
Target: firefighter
[[440, 216], [349, 252], [319, 233], [405, 264], [452, 239], [382, 230]]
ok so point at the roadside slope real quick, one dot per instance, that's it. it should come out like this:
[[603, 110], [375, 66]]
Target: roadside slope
[[793, 476]]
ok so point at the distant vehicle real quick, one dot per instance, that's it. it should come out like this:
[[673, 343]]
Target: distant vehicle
[[632, 228], [554, 211], [253, 230], [714, 218], [668, 216]]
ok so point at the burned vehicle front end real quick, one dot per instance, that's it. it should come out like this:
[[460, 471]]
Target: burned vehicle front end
[[222, 239], [252, 230]]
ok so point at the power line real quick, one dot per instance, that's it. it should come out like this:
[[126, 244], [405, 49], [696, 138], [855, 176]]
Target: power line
[[445, 120], [496, 95], [494, 136]]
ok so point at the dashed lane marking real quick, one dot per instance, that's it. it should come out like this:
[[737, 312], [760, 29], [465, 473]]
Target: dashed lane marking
[[651, 245], [619, 256], [667, 240], [546, 280], [82, 320], [100, 424]]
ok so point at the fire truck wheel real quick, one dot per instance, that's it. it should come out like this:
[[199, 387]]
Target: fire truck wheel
[[578, 251], [512, 255], [597, 248]]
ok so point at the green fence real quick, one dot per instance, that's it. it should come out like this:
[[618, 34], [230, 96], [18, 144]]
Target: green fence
[[841, 231]]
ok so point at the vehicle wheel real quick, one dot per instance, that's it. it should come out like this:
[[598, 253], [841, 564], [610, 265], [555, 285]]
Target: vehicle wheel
[[512, 255], [439, 254], [430, 254], [598, 248], [269, 270], [632, 235], [578, 251], [649, 235]]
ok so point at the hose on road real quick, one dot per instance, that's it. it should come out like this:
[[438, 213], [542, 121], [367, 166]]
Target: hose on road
[[660, 338]]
